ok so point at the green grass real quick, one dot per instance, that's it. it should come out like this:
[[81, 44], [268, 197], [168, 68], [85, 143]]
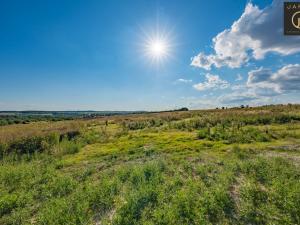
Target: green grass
[[222, 173]]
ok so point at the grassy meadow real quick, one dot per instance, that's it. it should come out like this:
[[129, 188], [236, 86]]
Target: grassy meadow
[[222, 166]]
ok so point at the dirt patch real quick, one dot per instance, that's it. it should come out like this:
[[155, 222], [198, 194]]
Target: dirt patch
[[234, 192]]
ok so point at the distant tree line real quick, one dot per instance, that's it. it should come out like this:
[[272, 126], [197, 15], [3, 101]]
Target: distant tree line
[[16, 119]]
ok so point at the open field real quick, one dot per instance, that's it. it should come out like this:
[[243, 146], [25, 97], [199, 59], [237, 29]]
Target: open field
[[231, 166]]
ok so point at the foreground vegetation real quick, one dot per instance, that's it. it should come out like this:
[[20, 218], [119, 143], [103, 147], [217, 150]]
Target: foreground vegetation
[[233, 166]]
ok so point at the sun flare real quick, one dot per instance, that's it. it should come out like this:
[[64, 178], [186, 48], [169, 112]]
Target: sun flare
[[158, 48], [157, 45]]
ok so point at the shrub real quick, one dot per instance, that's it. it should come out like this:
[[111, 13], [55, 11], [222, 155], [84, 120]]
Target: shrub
[[68, 147], [32, 144], [28, 145]]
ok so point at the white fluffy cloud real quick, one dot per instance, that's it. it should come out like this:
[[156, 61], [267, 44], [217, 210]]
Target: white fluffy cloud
[[211, 82], [263, 85], [288, 78], [283, 80], [256, 33]]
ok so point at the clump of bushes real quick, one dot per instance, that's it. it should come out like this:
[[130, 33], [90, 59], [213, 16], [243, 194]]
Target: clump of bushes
[[234, 134], [66, 144], [29, 145]]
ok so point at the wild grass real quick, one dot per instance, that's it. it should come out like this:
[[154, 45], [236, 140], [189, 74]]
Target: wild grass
[[218, 172]]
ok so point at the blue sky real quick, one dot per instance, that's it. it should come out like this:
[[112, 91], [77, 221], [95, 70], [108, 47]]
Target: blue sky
[[92, 55]]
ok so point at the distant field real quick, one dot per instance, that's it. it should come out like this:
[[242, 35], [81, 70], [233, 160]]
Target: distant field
[[25, 117], [222, 166]]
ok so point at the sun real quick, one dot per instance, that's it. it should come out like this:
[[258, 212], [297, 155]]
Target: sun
[[157, 45], [158, 48]]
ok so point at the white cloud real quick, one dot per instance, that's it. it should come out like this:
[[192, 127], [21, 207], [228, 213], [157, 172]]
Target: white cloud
[[263, 85], [212, 82], [285, 79], [246, 96], [202, 61], [259, 75], [260, 81], [288, 77], [238, 98], [256, 33], [181, 80]]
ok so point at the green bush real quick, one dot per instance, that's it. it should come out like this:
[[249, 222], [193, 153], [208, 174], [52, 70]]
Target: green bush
[[32, 144], [42, 144], [68, 147]]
